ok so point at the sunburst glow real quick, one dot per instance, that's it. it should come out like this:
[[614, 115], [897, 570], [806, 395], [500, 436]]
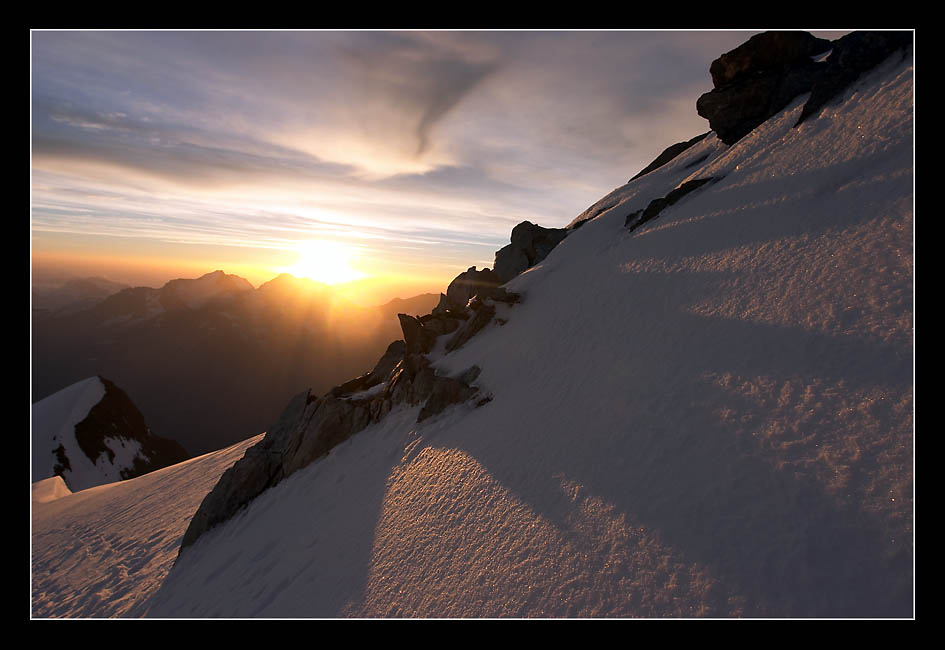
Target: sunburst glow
[[325, 261]]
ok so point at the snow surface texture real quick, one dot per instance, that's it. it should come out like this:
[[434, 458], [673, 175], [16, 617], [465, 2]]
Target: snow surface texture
[[101, 552], [709, 416]]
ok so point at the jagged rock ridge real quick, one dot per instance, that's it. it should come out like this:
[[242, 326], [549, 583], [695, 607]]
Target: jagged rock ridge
[[759, 78], [311, 426], [801, 584]]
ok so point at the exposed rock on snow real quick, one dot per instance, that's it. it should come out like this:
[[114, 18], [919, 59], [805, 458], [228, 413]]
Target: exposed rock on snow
[[851, 56], [668, 154], [472, 283], [653, 209], [417, 338], [758, 79], [711, 417], [530, 245], [310, 427], [483, 314]]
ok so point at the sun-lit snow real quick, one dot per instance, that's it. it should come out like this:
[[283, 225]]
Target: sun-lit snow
[[100, 552], [53, 424], [709, 416], [50, 489]]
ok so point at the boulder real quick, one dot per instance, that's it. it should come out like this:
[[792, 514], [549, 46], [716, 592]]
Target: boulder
[[530, 244], [445, 392], [417, 339], [656, 206], [471, 283], [757, 80], [482, 315], [769, 52]]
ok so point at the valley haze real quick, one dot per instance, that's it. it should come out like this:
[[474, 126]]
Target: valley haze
[[691, 397]]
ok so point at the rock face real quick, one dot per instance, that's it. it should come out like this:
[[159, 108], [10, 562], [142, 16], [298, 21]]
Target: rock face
[[471, 283], [668, 154], [656, 206], [310, 426], [530, 245], [757, 80], [852, 55]]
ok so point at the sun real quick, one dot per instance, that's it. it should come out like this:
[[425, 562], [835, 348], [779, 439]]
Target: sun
[[324, 261]]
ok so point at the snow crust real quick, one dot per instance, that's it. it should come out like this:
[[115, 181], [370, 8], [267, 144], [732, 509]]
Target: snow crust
[[709, 416], [102, 551], [50, 489]]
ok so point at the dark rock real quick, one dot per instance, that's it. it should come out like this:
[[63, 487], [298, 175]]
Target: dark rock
[[483, 313], [764, 53], [311, 427], [504, 295], [852, 55], [259, 468], [668, 154], [471, 283], [351, 386], [656, 206], [395, 352], [116, 416], [530, 244], [440, 325], [334, 421], [470, 374], [417, 339], [445, 392], [757, 80]]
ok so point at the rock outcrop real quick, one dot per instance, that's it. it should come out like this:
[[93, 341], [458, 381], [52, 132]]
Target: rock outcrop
[[471, 283], [669, 153], [530, 244], [311, 426], [852, 55], [656, 206], [757, 80]]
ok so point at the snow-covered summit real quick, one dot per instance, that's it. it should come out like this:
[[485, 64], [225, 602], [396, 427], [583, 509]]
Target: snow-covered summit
[[90, 433]]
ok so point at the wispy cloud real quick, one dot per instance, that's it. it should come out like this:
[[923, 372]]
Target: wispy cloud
[[419, 139]]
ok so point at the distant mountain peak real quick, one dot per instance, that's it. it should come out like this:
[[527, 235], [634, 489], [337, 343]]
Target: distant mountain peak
[[91, 433]]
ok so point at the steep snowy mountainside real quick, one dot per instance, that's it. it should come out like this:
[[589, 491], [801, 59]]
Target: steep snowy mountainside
[[709, 414], [101, 552], [91, 433]]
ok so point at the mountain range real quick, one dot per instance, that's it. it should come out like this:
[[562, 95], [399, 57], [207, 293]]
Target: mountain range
[[694, 400], [210, 360]]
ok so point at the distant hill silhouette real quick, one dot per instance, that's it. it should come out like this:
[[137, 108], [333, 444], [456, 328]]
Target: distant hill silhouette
[[212, 360]]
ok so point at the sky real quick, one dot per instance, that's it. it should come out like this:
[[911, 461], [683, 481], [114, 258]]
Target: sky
[[390, 161]]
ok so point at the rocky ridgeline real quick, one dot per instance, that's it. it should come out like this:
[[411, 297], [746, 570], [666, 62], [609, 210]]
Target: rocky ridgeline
[[759, 78], [751, 83], [311, 426]]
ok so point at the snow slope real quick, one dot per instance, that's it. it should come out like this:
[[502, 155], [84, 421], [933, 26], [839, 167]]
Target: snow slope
[[100, 552], [709, 416], [54, 420]]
